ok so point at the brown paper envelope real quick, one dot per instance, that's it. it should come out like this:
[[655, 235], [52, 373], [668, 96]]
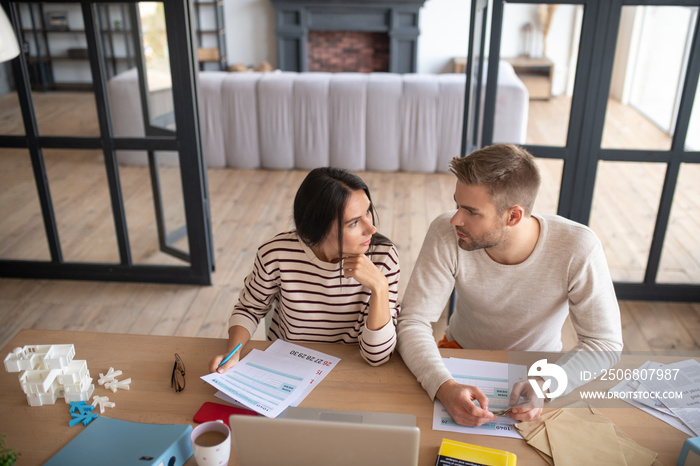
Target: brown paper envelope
[[581, 443], [536, 435], [540, 442], [540, 439], [635, 454], [529, 428], [547, 458]]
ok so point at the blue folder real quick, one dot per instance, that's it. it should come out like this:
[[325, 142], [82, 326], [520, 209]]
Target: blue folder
[[108, 441]]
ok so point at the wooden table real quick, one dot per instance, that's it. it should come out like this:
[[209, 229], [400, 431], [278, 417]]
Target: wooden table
[[39, 432]]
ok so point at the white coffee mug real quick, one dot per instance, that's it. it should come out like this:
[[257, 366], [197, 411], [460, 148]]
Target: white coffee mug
[[211, 443]]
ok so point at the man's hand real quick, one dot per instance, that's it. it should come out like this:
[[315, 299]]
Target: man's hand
[[528, 410], [459, 403]]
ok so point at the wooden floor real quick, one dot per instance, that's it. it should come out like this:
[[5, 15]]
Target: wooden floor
[[247, 206], [627, 194]]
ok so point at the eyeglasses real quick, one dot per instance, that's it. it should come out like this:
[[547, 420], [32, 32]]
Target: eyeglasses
[[177, 380]]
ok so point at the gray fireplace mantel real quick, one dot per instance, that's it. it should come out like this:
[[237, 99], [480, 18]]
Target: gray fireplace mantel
[[398, 18]]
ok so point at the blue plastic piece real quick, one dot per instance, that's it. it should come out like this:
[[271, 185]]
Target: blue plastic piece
[[81, 412], [693, 444], [80, 406], [84, 418]]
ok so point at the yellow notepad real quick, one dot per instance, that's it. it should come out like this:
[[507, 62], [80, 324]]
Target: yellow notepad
[[453, 453]]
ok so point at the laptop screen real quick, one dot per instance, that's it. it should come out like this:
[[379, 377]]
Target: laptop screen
[[295, 442]]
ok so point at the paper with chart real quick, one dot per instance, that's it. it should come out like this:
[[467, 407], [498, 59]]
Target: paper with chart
[[495, 379], [681, 379], [319, 363], [269, 381], [627, 389]]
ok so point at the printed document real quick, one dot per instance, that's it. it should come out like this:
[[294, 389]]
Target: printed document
[[270, 381], [682, 378], [669, 392], [495, 379], [319, 363]]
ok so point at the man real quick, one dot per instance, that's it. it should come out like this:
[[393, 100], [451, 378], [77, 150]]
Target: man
[[517, 277]]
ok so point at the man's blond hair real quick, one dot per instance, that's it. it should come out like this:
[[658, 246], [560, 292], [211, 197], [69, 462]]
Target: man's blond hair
[[508, 172]]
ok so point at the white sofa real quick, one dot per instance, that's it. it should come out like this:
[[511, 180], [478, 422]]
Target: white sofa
[[358, 121]]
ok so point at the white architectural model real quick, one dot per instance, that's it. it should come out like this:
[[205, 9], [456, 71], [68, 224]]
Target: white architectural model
[[50, 372], [110, 381]]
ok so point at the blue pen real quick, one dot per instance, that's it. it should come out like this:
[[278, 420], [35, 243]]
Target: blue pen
[[238, 346]]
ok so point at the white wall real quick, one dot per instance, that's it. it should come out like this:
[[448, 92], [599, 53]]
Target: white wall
[[561, 42], [444, 30], [624, 58], [512, 41], [250, 33]]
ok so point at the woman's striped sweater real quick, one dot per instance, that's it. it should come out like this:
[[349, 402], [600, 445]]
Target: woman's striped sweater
[[312, 302]]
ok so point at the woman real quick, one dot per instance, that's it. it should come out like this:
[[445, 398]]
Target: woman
[[333, 279]]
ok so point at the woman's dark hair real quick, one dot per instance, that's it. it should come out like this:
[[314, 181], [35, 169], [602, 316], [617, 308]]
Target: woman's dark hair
[[321, 200]]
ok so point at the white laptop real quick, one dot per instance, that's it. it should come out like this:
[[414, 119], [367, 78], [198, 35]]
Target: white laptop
[[308, 436], [355, 417]]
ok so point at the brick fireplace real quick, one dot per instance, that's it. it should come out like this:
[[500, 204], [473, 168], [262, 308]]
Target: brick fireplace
[[338, 51], [347, 35]]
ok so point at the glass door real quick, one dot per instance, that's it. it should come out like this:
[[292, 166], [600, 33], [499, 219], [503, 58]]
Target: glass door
[[543, 53], [125, 142], [611, 91], [476, 69], [647, 151], [158, 110]]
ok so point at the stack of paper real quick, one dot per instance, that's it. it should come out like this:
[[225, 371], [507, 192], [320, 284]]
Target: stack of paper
[[670, 392], [495, 379], [580, 435], [269, 381]]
